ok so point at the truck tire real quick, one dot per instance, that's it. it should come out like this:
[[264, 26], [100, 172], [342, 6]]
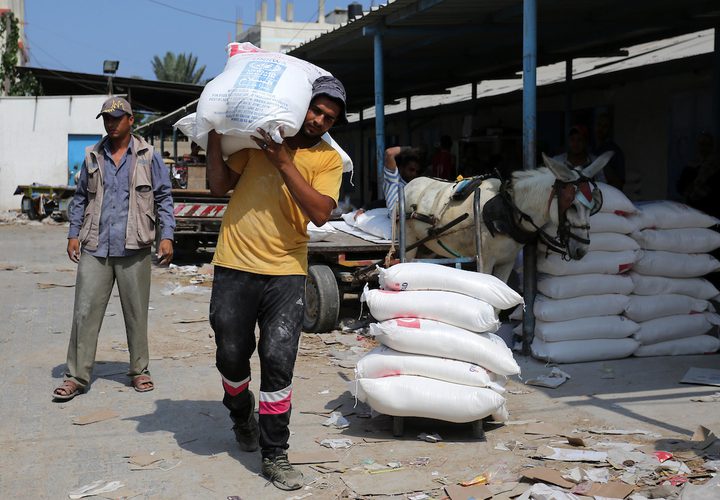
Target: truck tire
[[322, 300]]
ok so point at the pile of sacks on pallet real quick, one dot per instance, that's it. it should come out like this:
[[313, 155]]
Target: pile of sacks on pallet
[[670, 299], [630, 294], [439, 357], [580, 303]]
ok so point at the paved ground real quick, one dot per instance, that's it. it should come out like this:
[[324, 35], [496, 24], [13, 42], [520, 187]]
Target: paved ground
[[183, 420]]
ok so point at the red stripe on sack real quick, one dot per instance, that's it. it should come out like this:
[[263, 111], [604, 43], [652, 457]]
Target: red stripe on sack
[[622, 268], [192, 211], [178, 208], [408, 323], [622, 213], [275, 407], [234, 391]]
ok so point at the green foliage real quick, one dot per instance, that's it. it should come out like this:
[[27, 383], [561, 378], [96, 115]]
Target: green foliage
[[19, 85], [177, 68]]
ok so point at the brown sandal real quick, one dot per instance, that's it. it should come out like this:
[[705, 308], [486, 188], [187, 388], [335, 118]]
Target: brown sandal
[[143, 383], [67, 391]]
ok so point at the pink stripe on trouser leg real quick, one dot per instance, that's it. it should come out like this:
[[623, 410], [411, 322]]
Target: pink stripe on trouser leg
[[235, 388], [274, 403]]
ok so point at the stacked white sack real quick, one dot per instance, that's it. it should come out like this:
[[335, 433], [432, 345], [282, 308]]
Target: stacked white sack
[[580, 303], [439, 357], [256, 89], [670, 301]]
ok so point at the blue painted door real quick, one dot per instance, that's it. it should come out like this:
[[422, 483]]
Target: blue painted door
[[76, 152]]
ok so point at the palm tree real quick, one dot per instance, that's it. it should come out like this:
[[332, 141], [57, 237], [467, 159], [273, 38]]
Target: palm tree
[[177, 68]]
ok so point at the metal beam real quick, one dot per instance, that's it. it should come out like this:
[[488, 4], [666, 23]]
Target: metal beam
[[529, 144], [411, 10], [379, 106]]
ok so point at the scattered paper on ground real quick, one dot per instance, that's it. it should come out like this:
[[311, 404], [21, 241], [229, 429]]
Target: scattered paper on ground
[[95, 488], [312, 457], [476, 492], [553, 380], [701, 376]]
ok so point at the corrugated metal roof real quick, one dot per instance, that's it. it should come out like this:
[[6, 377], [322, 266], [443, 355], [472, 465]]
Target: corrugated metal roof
[[431, 45]]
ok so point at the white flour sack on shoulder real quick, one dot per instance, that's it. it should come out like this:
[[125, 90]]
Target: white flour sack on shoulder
[[448, 307], [432, 338], [581, 351], [411, 396], [675, 265], [675, 327], [578, 285], [424, 276], [702, 344], [700, 288], [612, 242], [603, 222], [256, 89], [547, 309], [683, 240], [591, 263], [615, 201], [386, 362], [597, 327], [667, 214], [647, 307]]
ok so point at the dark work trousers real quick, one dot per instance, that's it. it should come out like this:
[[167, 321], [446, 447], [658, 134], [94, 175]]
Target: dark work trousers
[[239, 300]]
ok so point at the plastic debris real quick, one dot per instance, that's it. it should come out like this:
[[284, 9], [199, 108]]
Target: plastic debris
[[336, 444], [571, 455], [95, 488], [663, 456], [337, 420], [430, 438], [480, 479], [553, 380]]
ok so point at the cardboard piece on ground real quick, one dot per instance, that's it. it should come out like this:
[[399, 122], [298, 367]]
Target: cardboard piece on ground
[[395, 483], [476, 492], [610, 490], [703, 438], [312, 457], [547, 475], [96, 416], [701, 376], [45, 286], [544, 429]]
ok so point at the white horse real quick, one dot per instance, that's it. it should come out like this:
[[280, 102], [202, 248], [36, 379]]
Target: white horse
[[556, 196]]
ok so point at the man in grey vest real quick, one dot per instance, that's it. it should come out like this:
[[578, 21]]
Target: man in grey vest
[[122, 194]]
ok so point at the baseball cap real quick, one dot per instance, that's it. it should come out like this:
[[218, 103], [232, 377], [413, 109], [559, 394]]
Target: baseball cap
[[333, 88], [115, 106]]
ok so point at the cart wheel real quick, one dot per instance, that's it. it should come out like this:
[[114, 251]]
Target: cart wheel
[[478, 431], [322, 300], [398, 426], [28, 207]]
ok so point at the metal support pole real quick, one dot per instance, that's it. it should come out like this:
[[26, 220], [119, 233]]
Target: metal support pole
[[379, 107], [365, 169], [401, 222], [175, 137], [162, 141], [529, 144], [568, 94], [477, 213]]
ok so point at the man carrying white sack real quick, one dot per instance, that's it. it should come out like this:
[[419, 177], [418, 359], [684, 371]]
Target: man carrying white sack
[[261, 264]]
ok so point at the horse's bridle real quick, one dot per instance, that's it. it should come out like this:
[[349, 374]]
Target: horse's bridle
[[583, 189]]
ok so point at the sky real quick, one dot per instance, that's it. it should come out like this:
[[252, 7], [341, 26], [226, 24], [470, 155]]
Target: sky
[[77, 35]]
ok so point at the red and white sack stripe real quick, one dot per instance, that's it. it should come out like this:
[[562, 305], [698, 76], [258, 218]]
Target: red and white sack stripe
[[198, 210], [274, 403], [235, 388]]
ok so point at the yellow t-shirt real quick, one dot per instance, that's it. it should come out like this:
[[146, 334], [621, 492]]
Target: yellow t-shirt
[[263, 230]]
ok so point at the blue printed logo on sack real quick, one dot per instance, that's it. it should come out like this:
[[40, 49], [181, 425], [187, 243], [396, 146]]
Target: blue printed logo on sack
[[260, 75]]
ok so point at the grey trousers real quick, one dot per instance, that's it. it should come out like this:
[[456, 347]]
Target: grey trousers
[[95, 279]]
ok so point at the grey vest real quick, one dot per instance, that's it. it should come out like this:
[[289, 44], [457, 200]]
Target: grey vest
[[140, 231]]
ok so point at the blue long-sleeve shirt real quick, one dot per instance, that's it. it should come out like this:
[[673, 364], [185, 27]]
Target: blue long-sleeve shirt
[[116, 196]]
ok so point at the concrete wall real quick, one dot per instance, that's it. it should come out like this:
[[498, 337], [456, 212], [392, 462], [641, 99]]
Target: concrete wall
[[34, 139]]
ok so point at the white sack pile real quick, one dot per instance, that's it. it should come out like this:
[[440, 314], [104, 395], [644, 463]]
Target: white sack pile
[[256, 89], [670, 300], [580, 304], [439, 356]]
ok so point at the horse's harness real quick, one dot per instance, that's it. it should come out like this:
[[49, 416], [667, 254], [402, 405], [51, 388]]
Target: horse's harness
[[502, 216]]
